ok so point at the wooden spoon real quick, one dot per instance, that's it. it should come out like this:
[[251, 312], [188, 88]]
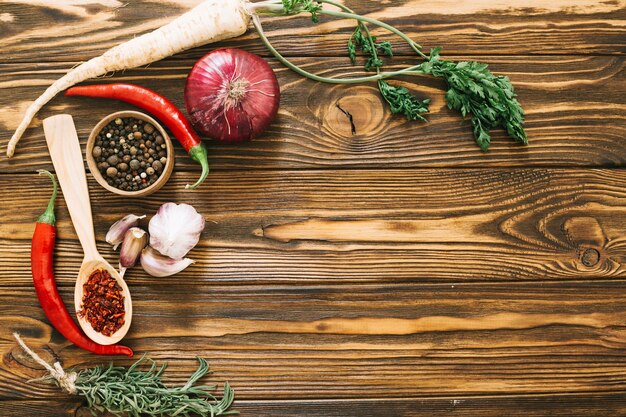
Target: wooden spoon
[[67, 159]]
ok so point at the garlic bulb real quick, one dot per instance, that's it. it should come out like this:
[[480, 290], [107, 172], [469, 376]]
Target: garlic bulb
[[175, 229], [158, 265], [116, 232]]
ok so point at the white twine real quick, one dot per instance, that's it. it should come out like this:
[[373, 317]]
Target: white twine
[[67, 381]]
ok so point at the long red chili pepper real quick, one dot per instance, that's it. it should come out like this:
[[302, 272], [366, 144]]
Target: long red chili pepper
[[159, 106], [41, 259]]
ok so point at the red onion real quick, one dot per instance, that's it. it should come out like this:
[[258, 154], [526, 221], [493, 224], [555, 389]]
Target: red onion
[[231, 95]]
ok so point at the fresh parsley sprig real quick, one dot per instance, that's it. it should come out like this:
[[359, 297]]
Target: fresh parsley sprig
[[489, 100], [474, 91]]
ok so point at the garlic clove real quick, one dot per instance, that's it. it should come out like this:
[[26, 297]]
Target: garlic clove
[[175, 229], [135, 240], [158, 265], [116, 232]]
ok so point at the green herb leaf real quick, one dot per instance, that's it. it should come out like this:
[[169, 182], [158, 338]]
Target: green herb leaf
[[474, 91], [373, 63], [359, 38], [401, 101], [352, 51], [300, 6], [385, 48], [369, 46]]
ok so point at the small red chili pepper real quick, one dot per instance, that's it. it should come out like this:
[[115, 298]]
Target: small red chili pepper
[[159, 106], [41, 258]]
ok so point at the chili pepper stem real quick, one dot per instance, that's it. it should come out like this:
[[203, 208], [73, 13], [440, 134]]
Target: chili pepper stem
[[199, 154], [48, 216]]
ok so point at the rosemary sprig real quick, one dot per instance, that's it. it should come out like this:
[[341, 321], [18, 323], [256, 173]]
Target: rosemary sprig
[[473, 90], [134, 392]]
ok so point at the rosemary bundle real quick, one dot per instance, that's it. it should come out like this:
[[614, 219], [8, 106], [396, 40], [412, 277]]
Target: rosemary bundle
[[475, 92], [120, 390], [135, 392]]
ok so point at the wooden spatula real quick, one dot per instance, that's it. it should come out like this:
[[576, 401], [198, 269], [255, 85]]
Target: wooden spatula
[[67, 159]]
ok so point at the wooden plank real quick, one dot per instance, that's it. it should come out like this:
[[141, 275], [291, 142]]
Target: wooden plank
[[360, 226], [576, 117], [493, 286], [531, 406], [73, 30], [50, 408], [371, 340]]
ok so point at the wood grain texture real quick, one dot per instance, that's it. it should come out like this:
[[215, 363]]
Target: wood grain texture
[[397, 272], [76, 30], [576, 117], [355, 226], [323, 342], [531, 406]]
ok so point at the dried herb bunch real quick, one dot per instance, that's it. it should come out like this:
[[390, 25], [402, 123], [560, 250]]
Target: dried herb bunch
[[135, 392]]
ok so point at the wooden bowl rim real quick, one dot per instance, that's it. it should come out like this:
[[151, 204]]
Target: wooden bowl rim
[[93, 168]]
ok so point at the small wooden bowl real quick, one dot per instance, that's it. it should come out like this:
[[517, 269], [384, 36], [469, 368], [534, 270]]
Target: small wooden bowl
[[93, 165]]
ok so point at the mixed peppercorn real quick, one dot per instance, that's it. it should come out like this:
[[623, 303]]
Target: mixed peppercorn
[[103, 303], [130, 153]]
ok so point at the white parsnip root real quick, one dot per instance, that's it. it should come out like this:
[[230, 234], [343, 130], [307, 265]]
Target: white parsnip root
[[210, 21]]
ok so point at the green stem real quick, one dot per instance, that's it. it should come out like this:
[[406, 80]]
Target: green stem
[[199, 154], [48, 216], [266, 8], [357, 80], [371, 42], [275, 7]]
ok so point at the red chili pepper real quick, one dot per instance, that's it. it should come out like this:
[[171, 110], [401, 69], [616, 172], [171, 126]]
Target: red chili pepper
[[159, 106], [41, 259]]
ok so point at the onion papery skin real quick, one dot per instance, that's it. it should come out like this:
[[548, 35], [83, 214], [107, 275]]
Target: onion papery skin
[[231, 95]]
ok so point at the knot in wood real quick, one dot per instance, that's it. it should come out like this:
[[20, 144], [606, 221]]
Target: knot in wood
[[590, 257], [358, 113]]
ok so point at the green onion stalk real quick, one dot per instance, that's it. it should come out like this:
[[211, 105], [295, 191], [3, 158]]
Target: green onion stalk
[[488, 99]]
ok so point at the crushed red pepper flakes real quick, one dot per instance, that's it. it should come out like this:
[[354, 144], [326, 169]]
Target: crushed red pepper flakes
[[103, 303]]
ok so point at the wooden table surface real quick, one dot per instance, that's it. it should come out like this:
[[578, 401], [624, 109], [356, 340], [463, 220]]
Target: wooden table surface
[[396, 272]]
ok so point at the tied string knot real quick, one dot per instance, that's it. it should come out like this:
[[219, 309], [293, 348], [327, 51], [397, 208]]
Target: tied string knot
[[66, 380]]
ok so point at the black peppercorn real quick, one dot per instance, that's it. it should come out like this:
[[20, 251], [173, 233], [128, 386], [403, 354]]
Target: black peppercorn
[[130, 154]]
